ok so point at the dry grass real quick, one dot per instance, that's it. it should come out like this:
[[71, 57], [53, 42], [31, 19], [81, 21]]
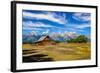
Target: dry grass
[[62, 51]]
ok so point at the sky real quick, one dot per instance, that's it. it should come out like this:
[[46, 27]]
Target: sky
[[50, 22]]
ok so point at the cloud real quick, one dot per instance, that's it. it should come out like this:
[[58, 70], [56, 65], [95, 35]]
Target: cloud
[[82, 16], [79, 26], [51, 16], [36, 24], [29, 28], [31, 25], [82, 26]]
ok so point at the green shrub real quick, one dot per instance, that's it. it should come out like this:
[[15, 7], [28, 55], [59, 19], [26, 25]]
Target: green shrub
[[79, 39]]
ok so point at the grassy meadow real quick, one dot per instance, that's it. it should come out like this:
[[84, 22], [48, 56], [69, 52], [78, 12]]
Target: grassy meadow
[[56, 52]]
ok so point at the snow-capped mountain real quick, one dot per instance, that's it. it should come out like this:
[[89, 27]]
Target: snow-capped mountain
[[33, 37], [64, 36]]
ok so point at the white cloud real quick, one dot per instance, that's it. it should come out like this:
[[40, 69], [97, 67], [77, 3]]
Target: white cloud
[[79, 26], [31, 25], [38, 24], [82, 26], [47, 16], [29, 28], [82, 16]]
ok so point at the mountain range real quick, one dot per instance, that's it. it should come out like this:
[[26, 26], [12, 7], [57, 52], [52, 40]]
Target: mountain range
[[33, 37]]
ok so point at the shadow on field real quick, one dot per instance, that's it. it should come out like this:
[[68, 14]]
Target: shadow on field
[[36, 57]]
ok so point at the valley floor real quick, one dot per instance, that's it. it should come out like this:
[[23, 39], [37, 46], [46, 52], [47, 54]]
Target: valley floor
[[56, 52]]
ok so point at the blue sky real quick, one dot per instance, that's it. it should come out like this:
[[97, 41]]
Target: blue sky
[[49, 22]]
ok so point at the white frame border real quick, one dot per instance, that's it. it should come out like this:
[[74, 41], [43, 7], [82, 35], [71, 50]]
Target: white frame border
[[21, 65]]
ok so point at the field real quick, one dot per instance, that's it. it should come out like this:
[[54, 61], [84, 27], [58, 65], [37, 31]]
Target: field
[[56, 52]]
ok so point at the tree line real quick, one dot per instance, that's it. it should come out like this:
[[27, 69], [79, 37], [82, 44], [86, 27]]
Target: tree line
[[79, 39]]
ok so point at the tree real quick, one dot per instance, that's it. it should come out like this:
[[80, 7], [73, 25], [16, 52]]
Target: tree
[[79, 39], [71, 40], [82, 39]]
